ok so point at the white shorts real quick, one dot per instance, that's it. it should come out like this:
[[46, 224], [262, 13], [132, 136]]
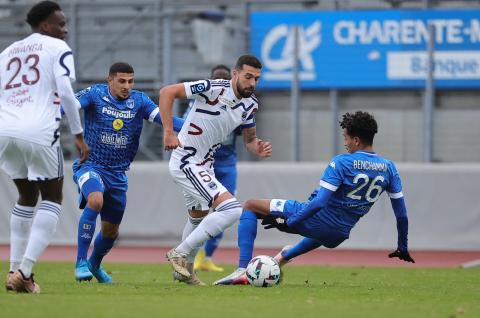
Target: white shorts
[[199, 185], [21, 159]]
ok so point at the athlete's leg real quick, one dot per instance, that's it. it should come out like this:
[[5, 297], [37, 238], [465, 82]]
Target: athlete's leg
[[247, 228], [21, 220], [228, 177], [44, 223], [92, 189], [115, 200], [247, 232], [304, 246]]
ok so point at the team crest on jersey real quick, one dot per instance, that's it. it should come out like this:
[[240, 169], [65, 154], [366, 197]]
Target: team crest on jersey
[[198, 88], [117, 124], [130, 103], [244, 116], [212, 185]]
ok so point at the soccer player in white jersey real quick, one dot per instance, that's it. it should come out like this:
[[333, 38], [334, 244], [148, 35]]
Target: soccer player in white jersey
[[35, 78], [220, 107]]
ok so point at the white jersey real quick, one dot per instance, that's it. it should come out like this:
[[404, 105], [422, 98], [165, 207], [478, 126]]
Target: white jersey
[[29, 103], [216, 113]]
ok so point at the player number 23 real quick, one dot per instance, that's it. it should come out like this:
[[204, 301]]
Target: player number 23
[[374, 190], [32, 74]]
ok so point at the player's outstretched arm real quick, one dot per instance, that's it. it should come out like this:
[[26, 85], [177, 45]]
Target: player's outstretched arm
[[400, 210], [255, 145], [168, 94]]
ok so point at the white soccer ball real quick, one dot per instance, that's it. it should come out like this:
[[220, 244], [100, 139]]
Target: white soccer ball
[[263, 271]]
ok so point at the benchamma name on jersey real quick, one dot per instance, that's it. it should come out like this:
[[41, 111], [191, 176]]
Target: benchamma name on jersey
[[369, 165]]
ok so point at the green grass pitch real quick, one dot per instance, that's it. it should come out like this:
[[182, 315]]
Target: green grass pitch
[[306, 291]]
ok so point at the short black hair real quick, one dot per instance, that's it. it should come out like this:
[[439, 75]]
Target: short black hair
[[360, 124], [220, 67], [41, 11], [120, 67], [249, 60]]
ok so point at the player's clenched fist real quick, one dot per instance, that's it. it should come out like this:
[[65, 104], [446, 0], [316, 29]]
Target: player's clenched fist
[[170, 142]]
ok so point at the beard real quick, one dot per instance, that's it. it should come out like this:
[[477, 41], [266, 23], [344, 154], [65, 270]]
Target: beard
[[243, 92]]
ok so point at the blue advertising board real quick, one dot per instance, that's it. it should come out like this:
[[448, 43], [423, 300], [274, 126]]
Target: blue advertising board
[[368, 49]]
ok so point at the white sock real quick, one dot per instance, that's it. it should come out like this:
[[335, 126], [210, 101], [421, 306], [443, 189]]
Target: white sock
[[224, 216], [20, 224], [43, 229], [190, 226]]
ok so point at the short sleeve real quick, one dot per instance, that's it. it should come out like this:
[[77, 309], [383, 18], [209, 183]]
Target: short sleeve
[[394, 188], [150, 109], [63, 61], [333, 175], [84, 96], [250, 117], [198, 89]]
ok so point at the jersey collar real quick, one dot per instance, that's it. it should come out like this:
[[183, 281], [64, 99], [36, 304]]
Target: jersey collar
[[370, 153]]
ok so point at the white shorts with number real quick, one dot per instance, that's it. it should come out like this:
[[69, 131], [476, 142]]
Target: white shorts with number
[[21, 159], [199, 185]]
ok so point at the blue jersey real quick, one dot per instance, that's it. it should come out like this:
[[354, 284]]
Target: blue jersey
[[357, 181], [112, 126]]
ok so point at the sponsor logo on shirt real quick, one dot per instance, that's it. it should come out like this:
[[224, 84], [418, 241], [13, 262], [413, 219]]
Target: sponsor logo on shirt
[[116, 140], [332, 164], [212, 185], [117, 124], [125, 114], [226, 101]]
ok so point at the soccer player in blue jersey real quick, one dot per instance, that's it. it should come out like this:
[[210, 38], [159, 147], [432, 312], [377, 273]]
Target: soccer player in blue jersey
[[225, 167], [349, 187], [114, 116]]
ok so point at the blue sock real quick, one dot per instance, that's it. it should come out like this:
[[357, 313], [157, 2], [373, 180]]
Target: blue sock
[[212, 245], [247, 232], [302, 247], [101, 247], [86, 229]]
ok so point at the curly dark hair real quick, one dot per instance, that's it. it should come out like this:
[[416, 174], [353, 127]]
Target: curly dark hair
[[360, 124], [40, 12]]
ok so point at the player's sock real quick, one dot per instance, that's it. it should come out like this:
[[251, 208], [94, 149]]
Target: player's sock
[[43, 228], [20, 225], [214, 223], [302, 247], [212, 245], [101, 247], [190, 226], [247, 232], [86, 230]]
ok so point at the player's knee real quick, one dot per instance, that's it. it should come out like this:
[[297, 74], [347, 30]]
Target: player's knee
[[95, 201], [248, 205], [110, 230], [28, 199]]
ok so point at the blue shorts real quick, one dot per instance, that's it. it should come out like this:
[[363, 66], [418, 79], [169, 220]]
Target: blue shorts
[[113, 185], [227, 175], [312, 227]]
